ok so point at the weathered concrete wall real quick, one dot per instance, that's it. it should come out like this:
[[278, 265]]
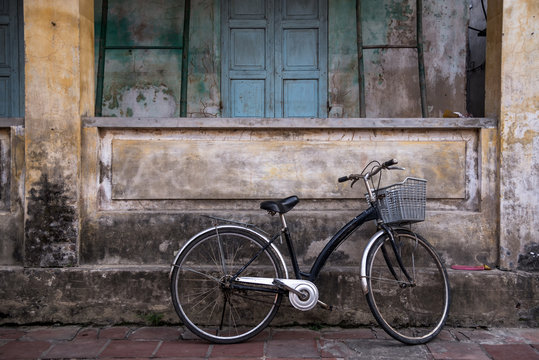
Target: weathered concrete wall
[[343, 85], [145, 189], [518, 133], [59, 88], [392, 86], [445, 31], [146, 82], [11, 195], [142, 81], [113, 295], [204, 72]]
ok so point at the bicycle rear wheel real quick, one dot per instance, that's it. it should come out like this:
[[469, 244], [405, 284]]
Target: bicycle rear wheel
[[413, 313], [204, 296]]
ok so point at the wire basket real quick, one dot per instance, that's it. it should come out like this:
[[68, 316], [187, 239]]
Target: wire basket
[[403, 202]]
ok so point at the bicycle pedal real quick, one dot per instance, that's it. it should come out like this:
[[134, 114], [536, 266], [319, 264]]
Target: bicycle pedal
[[325, 306]]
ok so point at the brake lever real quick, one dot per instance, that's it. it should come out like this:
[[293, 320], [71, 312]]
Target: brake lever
[[395, 168], [354, 178]]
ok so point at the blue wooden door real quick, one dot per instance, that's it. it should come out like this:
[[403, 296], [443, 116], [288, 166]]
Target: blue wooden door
[[274, 58], [301, 58], [11, 104], [247, 61]]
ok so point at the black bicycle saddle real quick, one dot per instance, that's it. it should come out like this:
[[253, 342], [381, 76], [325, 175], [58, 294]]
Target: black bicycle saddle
[[280, 206]]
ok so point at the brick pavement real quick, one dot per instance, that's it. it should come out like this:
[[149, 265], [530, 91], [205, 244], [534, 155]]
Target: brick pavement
[[74, 342]]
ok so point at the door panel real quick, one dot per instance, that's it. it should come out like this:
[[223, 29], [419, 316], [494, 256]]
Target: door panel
[[3, 45], [247, 98], [274, 58], [300, 49], [300, 98], [300, 9], [247, 9], [4, 97], [248, 49]]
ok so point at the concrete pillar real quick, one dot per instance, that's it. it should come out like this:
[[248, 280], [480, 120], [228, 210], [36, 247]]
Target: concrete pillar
[[59, 83], [513, 96]]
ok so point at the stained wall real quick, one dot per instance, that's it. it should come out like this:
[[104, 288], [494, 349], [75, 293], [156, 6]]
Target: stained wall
[[108, 200], [518, 133], [59, 89], [145, 81]]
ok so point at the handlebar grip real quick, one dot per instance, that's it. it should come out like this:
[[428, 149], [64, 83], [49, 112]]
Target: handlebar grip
[[390, 162], [343, 179]]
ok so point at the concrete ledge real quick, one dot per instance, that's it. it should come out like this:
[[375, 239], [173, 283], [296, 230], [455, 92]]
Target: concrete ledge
[[290, 123], [8, 122], [131, 294]]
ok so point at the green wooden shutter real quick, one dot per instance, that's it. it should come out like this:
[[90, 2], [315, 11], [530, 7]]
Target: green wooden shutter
[[11, 104]]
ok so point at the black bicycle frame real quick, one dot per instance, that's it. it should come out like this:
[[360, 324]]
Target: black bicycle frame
[[370, 214], [337, 239]]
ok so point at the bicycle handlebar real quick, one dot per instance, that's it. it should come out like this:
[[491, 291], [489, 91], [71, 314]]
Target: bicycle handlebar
[[385, 165], [370, 174], [355, 177], [390, 162]]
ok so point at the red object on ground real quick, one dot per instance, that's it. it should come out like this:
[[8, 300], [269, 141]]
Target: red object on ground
[[471, 268]]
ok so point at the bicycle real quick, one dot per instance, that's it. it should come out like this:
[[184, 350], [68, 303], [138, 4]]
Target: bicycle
[[228, 281]]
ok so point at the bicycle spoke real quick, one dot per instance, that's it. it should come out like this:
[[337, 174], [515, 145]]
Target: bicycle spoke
[[203, 274], [388, 280], [200, 301], [201, 293], [213, 258], [233, 322], [222, 256], [212, 309]]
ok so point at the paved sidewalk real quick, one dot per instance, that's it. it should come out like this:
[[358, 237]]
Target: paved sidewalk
[[73, 342]]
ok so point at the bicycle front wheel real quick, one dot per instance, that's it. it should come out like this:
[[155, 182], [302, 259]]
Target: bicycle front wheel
[[415, 311], [206, 299]]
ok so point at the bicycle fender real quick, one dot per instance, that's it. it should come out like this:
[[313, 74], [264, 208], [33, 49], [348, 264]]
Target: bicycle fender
[[224, 227], [363, 271]]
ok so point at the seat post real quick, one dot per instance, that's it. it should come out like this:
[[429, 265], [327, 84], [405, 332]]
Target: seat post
[[283, 222]]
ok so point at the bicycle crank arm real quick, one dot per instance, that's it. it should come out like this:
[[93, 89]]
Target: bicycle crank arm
[[279, 283]]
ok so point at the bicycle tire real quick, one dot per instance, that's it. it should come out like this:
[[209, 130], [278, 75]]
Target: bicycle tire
[[200, 294], [411, 314]]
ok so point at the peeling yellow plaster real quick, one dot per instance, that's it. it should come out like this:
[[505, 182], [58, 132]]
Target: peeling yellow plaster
[[59, 87], [518, 129], [51, 39], [520, 51], [87, 62]]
